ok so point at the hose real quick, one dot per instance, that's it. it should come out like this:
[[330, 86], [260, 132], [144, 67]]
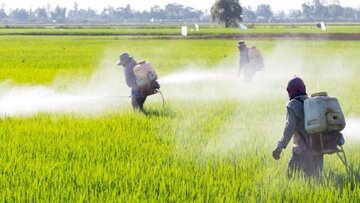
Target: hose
[[344, 160], [162, 97]]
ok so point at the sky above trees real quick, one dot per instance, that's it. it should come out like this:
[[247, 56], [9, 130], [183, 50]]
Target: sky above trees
[[98, 5]]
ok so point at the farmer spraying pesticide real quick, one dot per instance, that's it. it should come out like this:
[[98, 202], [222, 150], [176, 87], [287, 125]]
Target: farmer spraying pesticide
[[314, 124], [141, 78], [251, 61]]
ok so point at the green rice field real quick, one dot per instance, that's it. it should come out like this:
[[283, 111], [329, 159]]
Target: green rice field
[[210, 142]]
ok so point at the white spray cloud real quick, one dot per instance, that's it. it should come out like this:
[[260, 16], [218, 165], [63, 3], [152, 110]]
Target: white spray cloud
[[191, 82], [352, 129], [79, 96], [227, 141], [221, 81]]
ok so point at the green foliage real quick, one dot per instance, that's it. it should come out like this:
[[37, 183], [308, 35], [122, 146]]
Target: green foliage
[[318, 9], [264, 10], [227, 11], [106, 15]]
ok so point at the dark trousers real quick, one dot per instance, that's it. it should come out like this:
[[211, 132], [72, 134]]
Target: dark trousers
[[309, 163], [137, 101]]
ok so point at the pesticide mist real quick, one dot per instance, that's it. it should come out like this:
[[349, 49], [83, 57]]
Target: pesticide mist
[[352, 129], [222, 82], [93, 96], [194, 81]]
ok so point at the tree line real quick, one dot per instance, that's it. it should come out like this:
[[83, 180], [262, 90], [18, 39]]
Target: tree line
[[46, 14], [229, 12], [320, 10]]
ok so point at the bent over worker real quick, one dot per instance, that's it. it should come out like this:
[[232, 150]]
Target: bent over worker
[[137, 99], [302, 159]]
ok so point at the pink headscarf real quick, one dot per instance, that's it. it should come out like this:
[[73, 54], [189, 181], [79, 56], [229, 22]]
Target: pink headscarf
[[296, 87]]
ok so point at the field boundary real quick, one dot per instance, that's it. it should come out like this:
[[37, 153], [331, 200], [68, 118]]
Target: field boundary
[[265, 36]]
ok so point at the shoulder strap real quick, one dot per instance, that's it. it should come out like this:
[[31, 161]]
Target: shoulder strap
[[302, 137]]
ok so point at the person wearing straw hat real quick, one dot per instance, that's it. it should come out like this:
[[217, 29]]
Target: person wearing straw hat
[[244, 63], [251, 61], [137, 99]]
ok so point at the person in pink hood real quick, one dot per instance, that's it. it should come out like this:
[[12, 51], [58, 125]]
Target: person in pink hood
[[302, 159]]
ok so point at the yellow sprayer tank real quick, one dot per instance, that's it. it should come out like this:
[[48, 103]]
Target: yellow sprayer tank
[[144, 73], [323, 114]]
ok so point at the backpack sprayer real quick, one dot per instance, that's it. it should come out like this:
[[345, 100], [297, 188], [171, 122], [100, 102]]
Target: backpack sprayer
[[256, 59], [146, 77], [324, 121]]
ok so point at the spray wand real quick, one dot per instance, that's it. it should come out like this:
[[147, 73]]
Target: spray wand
[[117, 97], [125, 97]]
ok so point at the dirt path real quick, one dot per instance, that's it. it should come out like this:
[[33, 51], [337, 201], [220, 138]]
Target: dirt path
[[264, 36]]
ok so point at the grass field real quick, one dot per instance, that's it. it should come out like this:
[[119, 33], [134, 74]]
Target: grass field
[[211, 142]]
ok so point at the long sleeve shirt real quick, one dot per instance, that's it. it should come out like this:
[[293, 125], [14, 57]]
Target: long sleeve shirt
[[129, 74], [295, 126], [244, 58]]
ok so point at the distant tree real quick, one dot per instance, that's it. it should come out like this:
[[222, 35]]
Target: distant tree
[[2, 6], [295, 14], [176, 11], [172, 11], [334, 11], [264, 10], [76, 6], [84, 14], [187, 12], [48, 8], [73, 14], [308, 10], [351, 13], [58, 15], [330, 2], [280, 15], [124, 13], [227, 11], [2, 14], [319, 9], [41, 14], [157, 13], [20, 15], [107, 13], [248, 14]]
